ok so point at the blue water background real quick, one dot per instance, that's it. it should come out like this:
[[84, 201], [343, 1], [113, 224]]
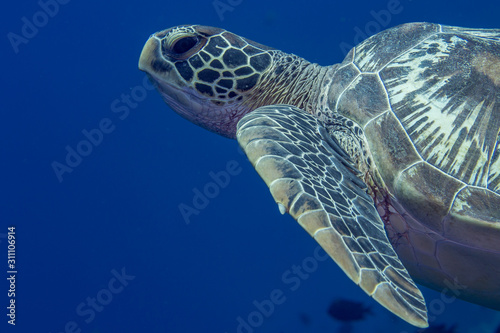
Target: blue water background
[[118, 210]]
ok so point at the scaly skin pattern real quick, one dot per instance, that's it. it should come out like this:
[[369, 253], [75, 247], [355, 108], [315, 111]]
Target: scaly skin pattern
[[222, 76]]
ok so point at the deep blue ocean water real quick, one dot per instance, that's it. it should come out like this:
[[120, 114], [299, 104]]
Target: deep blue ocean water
[[111, 232]]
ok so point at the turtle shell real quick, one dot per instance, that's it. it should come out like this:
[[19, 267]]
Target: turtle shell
[[428, 99]]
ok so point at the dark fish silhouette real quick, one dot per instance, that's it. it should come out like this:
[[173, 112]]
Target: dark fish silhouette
[[305, 319], [348, 311]]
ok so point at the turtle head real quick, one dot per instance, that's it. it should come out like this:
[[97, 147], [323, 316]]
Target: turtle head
[[207, 75]]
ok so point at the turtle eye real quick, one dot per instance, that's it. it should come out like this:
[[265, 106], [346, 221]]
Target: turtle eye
[[179, 44], [184, 44]]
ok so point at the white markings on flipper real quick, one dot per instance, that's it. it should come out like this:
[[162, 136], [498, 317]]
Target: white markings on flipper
[[313, 179]]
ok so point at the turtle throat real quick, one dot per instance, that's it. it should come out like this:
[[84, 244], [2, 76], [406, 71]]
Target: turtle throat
[[290, 80]]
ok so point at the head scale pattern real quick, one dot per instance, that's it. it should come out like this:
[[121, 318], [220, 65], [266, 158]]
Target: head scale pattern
[[221, 66]]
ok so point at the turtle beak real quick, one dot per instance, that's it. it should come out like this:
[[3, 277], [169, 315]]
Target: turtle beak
[[156, 66], [148, 54]]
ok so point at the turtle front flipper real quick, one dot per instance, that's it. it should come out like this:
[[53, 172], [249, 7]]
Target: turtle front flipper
[[314, 180]]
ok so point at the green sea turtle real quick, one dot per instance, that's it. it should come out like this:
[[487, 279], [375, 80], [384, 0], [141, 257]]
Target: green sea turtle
[[390, 160]]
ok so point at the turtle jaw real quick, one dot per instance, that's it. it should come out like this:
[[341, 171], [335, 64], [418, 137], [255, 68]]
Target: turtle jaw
[[196, 110]]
